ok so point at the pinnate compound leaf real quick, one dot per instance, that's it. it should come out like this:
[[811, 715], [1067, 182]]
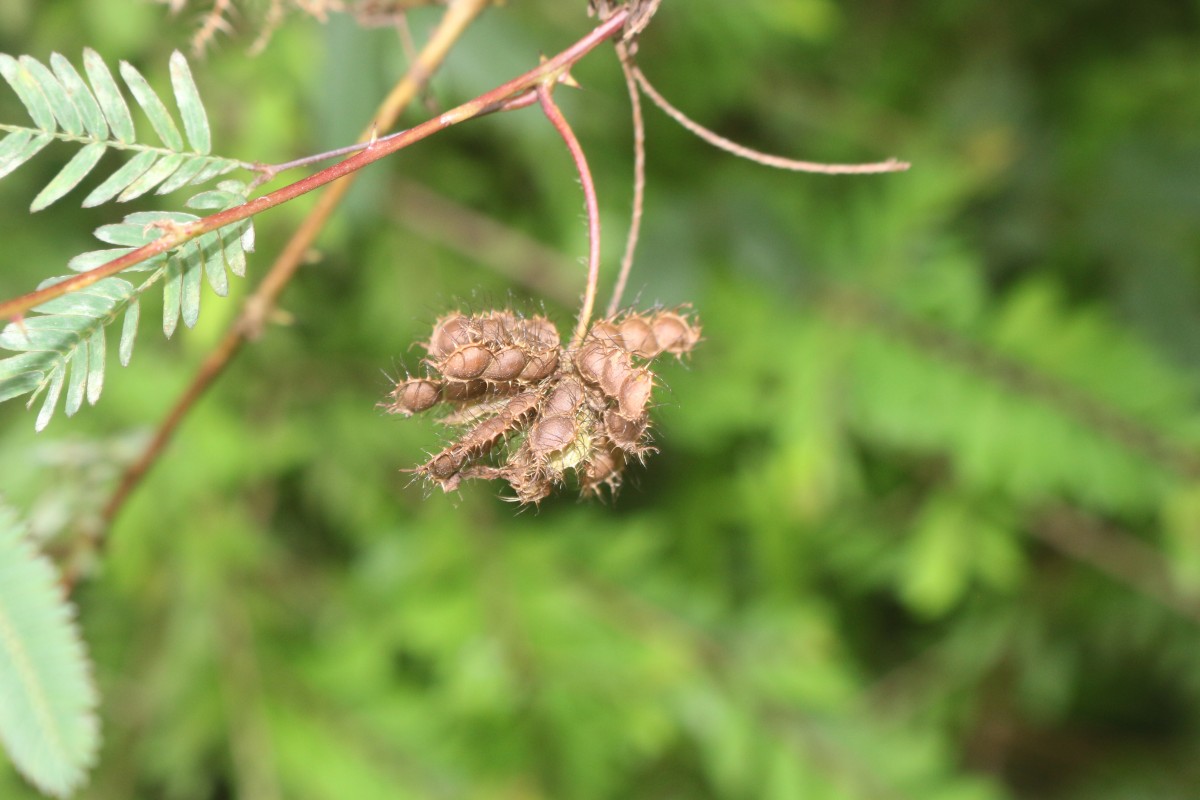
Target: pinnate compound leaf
[[56, 343], [47, 718], [61, 347], [63, 106]]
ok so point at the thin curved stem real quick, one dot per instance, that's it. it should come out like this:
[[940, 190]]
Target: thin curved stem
[[487, 103], [268, 172], [514, 94], [639, 178], [766, 159], [589, 198]]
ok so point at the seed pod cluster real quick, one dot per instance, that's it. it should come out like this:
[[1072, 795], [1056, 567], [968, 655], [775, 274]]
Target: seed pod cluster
[[529, 410]]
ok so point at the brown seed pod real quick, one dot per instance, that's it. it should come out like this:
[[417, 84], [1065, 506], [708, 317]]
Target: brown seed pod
[[448, 333], [465, 363], [443, 466], [464, 391], [564, 398], [519, 408], [479, 440], [605, 331], [638, 337], [522, 473], [529, 488], [551, 434], [536, 332], [414, 396], [576, 409], [626, 433], [590, 359], [618, 368], [674, 333], [603, 469], [485, 435], [635, 393], [485, 404], [539, 367], [506, 365], [494, 328]]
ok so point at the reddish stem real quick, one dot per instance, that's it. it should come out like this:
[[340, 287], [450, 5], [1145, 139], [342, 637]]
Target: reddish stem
[[639, 179], [589, 198]]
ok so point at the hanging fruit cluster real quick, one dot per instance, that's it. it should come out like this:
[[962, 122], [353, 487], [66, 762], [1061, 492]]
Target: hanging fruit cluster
[[531, 410]]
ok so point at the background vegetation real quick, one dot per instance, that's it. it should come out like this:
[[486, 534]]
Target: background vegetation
[[925, 522]]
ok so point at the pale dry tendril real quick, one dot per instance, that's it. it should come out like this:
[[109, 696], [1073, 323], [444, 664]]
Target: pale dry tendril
[[530, 410]]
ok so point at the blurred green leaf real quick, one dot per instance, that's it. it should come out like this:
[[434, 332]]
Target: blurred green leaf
[[47, 719]]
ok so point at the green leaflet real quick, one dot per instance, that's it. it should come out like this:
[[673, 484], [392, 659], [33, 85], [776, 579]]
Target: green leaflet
[[127, 174], [109, 97], [151, 177], [47, 719], [63, 106], [89, 109], [28, 91], [56, 95], [70, 175], [155, 110], [57, 341], [19, 147], [191, 107]]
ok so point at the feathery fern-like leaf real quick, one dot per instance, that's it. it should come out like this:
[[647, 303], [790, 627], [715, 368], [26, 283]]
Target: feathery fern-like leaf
[[47, 720], [63, 107], [62, 347]]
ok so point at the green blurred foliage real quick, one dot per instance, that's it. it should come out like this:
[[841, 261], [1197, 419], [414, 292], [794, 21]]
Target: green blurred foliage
[[925, 520]]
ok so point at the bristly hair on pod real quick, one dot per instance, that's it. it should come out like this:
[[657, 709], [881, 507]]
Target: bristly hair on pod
[[530, 410]]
